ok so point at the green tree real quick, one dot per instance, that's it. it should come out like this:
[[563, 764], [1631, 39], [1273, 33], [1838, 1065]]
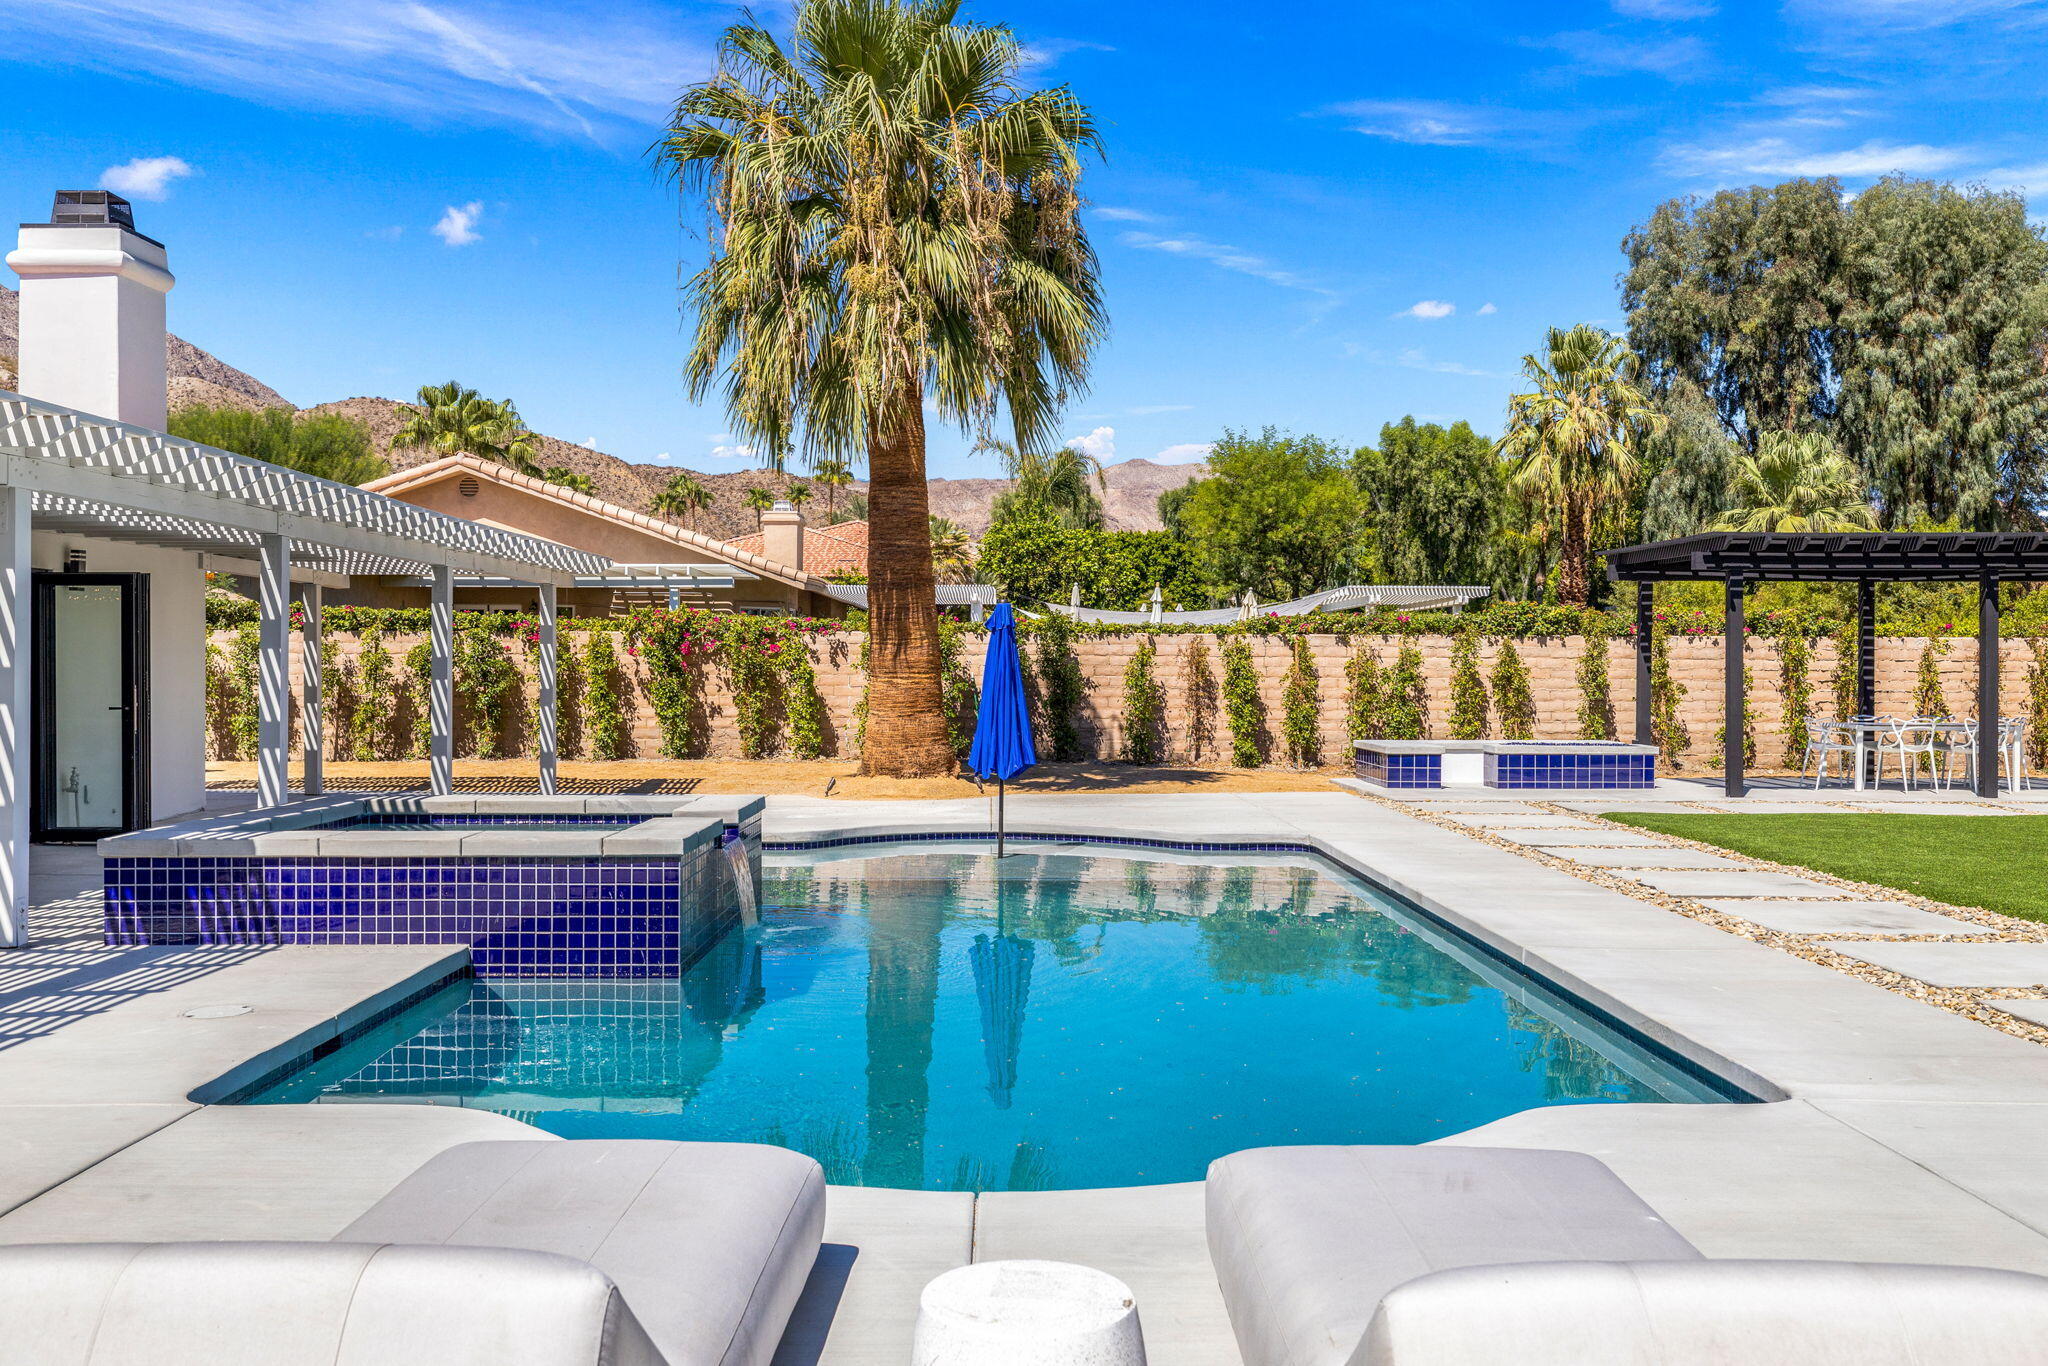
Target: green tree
[[798, 493], [952, 552], [1573, 435], [758, 500], [1690, 463], [682, 496], [570, 479], [1057, 486], [831, 474], [1796, 481], [1432, 494], [328, 445], [897, 219], [1906, 322], [455, 420], [1037, 560], [1279, 515]]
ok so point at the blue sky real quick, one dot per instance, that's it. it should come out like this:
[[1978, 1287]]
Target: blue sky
[[1320, 218]]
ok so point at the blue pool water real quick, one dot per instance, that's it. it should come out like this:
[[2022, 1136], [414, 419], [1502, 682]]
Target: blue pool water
[[927, 1018]]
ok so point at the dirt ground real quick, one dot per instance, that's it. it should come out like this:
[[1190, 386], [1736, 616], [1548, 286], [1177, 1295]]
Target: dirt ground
[[837, 778]]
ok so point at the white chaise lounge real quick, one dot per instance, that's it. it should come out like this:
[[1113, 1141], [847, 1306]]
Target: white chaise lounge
[[1400, 1256], [309, 1304], [710, 1243]]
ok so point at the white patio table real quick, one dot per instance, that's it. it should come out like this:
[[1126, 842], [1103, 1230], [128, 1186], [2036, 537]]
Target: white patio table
[[1869, 734]]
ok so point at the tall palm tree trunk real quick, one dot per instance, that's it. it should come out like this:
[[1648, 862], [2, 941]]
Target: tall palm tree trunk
[[1571, 555], [906, 731]]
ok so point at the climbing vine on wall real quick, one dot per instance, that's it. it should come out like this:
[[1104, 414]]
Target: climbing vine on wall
[[569, 701], [242, 678], [958, 692], [1301, 727], [1667, 694], [1062, 687], [1928, 698], [1513, 701], [1407, 696], [1795, 685], [419, 697], [1144, 707], [2037, 705], [604, 720], [1748, 727], [1843, 677], [1363, 695], [1468, 689], [1596, 703], [1201, 698], [1243, 708], [488, 681]]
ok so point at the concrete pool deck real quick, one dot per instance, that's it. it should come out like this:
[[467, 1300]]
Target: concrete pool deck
[[1905, 1132]]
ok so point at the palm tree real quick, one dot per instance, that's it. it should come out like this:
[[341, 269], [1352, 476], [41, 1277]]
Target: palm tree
[[798, 493], [831, 475], [1797, 481], [897, 219], [758, 500], [457, 420], [952, 552], [1573, 436], [569, 479], [1059, 485], [682, 496]]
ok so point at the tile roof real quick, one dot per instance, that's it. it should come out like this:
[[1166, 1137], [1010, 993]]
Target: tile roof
[[838, 549]]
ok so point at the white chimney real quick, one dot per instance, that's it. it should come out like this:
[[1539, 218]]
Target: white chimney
[[92, 310], [782, 534]]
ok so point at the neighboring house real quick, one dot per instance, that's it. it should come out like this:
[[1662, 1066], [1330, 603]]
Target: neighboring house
[[841, 548], [659, 561]]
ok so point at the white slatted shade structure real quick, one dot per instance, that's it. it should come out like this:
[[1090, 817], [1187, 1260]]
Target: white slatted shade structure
[[73, 473], [1408, 597]]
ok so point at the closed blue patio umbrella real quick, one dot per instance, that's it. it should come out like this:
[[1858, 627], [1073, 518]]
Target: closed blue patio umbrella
[[1002, 727]]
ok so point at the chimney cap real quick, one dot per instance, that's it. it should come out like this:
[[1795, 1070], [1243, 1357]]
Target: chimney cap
[[92, 209]]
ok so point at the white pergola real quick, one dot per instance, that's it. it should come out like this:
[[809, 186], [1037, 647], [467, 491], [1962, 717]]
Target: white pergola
[[65, 471]]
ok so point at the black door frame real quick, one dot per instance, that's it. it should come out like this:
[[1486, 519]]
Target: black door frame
[[134, 669]]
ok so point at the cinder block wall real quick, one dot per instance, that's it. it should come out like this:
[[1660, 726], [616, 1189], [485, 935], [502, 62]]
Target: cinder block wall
[[1197, 737]]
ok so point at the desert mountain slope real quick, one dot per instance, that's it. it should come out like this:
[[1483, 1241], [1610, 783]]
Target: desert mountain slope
[[196, 376]]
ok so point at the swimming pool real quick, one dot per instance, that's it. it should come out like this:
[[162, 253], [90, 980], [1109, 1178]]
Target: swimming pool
[[922, 1017]]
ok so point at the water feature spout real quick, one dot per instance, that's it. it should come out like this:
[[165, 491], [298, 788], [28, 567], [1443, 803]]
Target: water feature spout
[[735, 847]]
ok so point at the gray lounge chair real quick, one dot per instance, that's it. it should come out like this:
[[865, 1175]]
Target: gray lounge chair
[[1307, 1241], [710, 1243], [1712, 1313], [309, 1304]]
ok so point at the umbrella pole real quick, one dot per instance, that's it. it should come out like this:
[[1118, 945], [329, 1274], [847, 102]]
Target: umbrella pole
[[999, 818]]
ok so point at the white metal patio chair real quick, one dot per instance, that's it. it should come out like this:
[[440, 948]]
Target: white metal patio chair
[[1911, 742], [2012, 750], [1824, 740]]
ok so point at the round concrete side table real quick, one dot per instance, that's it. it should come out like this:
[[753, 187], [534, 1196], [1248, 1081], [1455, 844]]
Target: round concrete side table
[[1027, 1314]]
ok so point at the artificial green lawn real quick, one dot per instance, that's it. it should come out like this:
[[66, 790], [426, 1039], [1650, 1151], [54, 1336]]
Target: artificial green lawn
[[1997, 862]]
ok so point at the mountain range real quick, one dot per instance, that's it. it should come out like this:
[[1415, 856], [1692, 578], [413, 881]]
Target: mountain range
[[1130, 492]]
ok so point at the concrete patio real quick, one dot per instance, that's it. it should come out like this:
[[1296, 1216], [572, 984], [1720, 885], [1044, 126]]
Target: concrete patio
[[1894, 1129]]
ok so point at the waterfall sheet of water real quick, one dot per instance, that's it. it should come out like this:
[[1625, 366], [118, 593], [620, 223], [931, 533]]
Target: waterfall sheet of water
[[743, 877]]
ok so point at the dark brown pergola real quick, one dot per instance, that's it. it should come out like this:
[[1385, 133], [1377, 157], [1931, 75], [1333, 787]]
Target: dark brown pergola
[[1738, 559]]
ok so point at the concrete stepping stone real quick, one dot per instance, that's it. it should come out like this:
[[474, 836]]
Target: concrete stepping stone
[[1844, 917], [2033, 1012], [1749, 882], [1956, 965], [1518, 820], [1583, 837], [1647, 858]]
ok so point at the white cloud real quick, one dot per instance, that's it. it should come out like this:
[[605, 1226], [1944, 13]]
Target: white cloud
[[1187, 453], [1149, 409], [1774, 156], [1121, 215], [1100, 443], [733, 452], [659, 458], [145, 177], [1045, 51], [1606, 54], [1223, 256], [607, 72], [1487, 309], [1666, 9], [1415, 359], [1428, 308], [458, 223], [1435, 123]]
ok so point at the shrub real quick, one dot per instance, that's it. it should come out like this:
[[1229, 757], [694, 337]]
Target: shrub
[[486, 678], [1407, 694], [1468, 689], [1512, 699], [1596, 703], [1363, 695], [1201, 699], [419, 673], [1144, 707], [1928, 697], [375, 706], [604, 723], [1301, 709], [1667, 724], [1061, 686], [1243, 708], [1795, 661]]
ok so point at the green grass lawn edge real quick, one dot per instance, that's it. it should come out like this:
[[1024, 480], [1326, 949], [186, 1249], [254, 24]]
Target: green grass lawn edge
[[1998, 863]]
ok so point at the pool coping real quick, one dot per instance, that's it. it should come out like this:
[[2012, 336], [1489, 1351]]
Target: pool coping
[[671, 826]]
